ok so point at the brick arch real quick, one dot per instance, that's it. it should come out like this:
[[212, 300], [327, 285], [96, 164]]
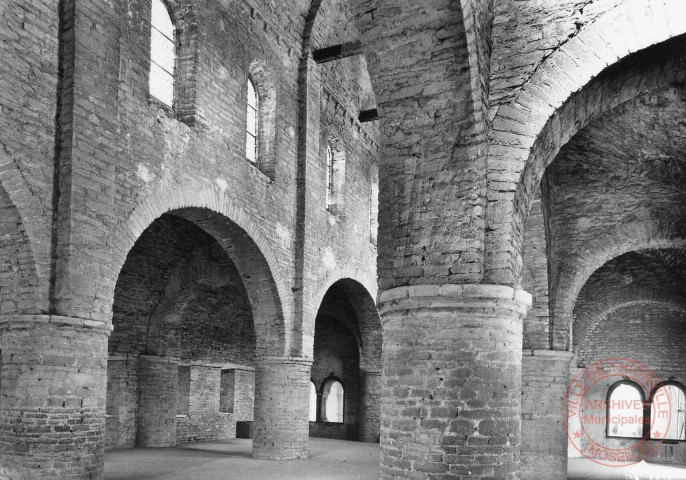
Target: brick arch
[[572, 87], [246, 245], [586, 320], [578, 268], [360, 294]]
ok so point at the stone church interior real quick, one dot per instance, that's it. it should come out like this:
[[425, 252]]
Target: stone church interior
[[343, 239]]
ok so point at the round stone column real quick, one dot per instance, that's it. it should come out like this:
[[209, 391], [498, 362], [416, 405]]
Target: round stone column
[[281, 427], [450, 397], [53, 380], [545, 377], [158, 380], [370, 406]]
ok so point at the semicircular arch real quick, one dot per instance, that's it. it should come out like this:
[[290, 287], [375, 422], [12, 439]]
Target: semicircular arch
[[575, 85], [586, 320], [243, 241], [578, 268]]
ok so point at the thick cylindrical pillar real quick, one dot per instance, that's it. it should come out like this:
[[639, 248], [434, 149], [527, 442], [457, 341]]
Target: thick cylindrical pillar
[[53, 379], [545, 377], [158, 380], [370, 406], [282, 397], [450, 399]]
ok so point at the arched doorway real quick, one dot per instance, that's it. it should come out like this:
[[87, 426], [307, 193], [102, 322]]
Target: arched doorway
[[346, 367]]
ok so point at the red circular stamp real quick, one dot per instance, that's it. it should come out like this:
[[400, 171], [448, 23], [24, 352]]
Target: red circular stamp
[[615, 412]]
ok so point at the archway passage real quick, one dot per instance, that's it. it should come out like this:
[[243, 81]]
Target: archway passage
[[345, 370], [611, 190], [181, 356], [199, 341]]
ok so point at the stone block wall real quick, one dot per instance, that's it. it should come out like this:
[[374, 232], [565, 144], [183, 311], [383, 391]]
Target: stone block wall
[[651, 335]]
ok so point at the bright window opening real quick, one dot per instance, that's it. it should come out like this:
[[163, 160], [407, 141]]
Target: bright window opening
[[332, 402], [162, 54], [313, 402], [252, 126], [625, 411], [668, 413]]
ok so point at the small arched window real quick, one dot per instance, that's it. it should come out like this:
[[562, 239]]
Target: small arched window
[[332, 401], [668, 413], [313, 402], [252, 124], [162, 53], [625, 410]]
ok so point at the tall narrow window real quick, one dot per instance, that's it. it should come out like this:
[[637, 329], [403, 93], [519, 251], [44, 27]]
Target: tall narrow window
[[373, 211], [625, 411], [330, 198], [252, 126], [162, 54], [668, 413], [332, 401], [313, 402]]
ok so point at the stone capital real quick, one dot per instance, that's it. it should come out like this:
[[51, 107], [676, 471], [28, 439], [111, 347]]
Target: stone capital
[[466, 297], [22, 322], [551, 355], [274, 360]]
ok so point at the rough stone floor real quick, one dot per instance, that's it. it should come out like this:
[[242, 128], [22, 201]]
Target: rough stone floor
[[329, 460], [584, 469]]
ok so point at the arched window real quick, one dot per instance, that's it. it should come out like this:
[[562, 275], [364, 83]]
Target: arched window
[[332, 401], [162, 53], [625, 410], [313, 402], [252, 124], [329, 176], [668, 413]]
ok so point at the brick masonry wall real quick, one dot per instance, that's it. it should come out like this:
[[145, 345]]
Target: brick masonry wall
[[535, 278], [28, 89], [282, 392], [157, 392], [545, 377], [644, 275], [205, 321], [204, 420], [122, 401], [52, 399], [336, 353], [18, 275], [652, 335], [454, 378]]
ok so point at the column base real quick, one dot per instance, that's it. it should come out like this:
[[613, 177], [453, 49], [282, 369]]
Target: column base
[[451, 381], [545, 376], [282, 394], [52, 410]]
